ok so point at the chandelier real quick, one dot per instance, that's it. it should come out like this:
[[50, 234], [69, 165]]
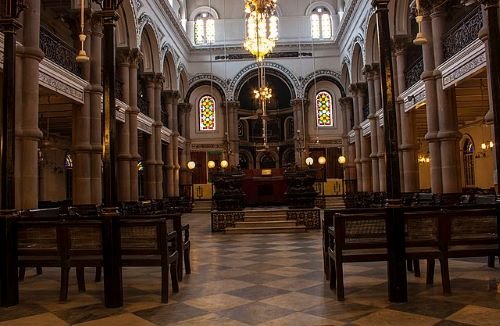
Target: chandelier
[[261, 27]]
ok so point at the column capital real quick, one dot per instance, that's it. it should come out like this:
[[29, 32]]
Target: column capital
[[297, 103], [96, 25], [159, 79], [346, 103], [368, 71], [172, 94], [400, 44], [361, 87], [233, 104], [184, 107]]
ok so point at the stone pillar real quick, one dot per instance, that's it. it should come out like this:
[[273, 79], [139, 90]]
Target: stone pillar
[[157, 126], [380, 131], [357, 137], [123, 166], [95, 109], [369, 71], [81, 148], [448, 133], [28, 134], [408, 145], [173, 147], [135, 56], [365, 143], [431, 106], [232, 128], [300, 133], [150, 162]]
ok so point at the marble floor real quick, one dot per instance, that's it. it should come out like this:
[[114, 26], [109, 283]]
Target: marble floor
[[262, 280]]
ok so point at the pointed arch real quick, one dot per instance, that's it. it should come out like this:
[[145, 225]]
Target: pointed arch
[[372, 47], [150, 50], [357, 64], [126, 27]]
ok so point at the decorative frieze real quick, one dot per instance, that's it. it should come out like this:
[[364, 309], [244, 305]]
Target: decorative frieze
[[466, 63], [308, 217]]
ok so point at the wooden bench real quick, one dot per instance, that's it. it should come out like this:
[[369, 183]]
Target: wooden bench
[[58, 242], [145, 242], [436, 234]]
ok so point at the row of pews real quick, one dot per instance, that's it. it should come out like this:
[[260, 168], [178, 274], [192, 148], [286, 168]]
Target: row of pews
[[140, 234], [437, 228]]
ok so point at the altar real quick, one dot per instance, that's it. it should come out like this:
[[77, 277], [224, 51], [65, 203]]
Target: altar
[[264, 187]]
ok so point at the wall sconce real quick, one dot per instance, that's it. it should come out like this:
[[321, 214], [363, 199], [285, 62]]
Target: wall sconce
[[489, 145], [424, 159], [309, 161], [224, 164], [211, 164], [191, 165]]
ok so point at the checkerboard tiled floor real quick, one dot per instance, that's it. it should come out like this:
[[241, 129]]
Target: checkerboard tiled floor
[[262, 280]]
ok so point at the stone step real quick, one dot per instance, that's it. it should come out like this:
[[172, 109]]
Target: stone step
[[202, 206], [265, 218], [245, 230], [263, 224], [269, 213]]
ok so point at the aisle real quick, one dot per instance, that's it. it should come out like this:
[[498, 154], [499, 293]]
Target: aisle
[[262, 280]]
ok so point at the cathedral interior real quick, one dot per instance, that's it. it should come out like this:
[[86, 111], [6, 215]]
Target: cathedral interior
[[258, 152]]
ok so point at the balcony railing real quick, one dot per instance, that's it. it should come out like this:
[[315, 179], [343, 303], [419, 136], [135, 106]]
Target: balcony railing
[[414, 71], [463, 33], [59, 52]]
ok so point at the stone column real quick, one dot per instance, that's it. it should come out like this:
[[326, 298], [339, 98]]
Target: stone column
[[184, 173], [431, 106], [173, 147], [365, 144], [369, 71], [380, 131], [81, 148], [95, 109], [345, 107], [357, 137], [300, 133], [234, 140], [28, 134], [150, 161], [408, 145], [123, 157], [135, 56], [448, 133], [157, 126]]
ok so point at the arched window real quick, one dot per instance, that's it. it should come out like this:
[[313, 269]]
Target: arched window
[[204, 29], [207, 113], [324, 109], [321, 24], [468, 157]]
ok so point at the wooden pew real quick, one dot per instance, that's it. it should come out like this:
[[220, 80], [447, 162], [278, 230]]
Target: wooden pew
[[145, 242], [436, 234]]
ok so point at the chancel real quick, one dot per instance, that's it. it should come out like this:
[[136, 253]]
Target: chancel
[[249, 162]]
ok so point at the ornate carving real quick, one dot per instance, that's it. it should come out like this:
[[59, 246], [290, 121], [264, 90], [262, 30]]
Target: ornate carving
[[400, 44], [308, 217], [221, 220], [59, 52], [463, 34]]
